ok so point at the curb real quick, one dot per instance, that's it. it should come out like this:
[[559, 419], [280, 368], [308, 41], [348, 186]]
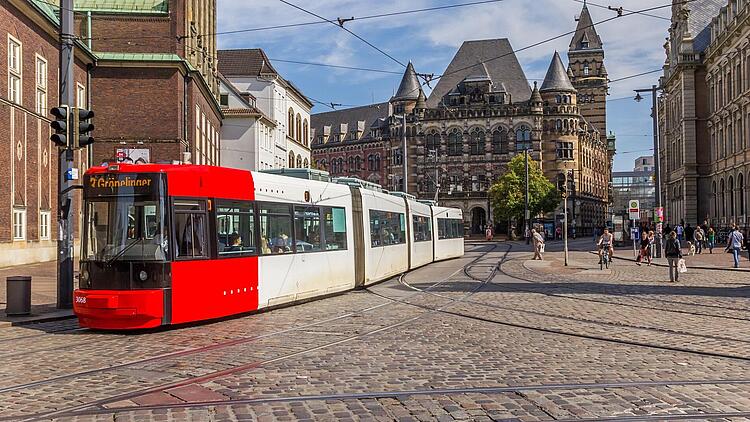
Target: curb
[[697, 267], [29, 320]]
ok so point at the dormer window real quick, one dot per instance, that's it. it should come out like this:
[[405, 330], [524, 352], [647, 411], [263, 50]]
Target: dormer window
[[584, 44], [586, 69], [224, 100]]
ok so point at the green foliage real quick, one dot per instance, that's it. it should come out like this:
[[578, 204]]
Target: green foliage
[[507, 194]]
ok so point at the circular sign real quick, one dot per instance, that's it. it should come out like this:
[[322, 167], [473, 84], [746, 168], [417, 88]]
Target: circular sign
[[633, 204]]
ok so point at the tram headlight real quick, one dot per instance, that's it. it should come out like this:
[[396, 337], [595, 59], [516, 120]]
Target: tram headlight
[[143, 275]]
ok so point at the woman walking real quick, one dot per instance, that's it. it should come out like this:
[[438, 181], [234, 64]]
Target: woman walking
[[538, 244], [673, 252], [711, 235]]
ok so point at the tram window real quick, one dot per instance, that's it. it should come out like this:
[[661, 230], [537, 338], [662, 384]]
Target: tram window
[[190, 230], [235, 223], [335, 228], [422, 228], [450, 228], [387, 228], [307, 229], [275, 227]]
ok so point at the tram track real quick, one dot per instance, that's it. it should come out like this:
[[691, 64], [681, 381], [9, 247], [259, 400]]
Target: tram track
[[511, 389], [215, 374]]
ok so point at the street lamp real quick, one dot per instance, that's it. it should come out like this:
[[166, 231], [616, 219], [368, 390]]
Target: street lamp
[[657, 164]]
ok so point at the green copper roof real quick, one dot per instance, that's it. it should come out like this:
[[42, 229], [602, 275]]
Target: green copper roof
[[52, 12], [124, 6], [111, 6]]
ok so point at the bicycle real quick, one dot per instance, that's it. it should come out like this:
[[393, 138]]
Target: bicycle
[[605, 260]]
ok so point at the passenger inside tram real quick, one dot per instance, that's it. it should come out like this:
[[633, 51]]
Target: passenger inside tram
[[235, 243]]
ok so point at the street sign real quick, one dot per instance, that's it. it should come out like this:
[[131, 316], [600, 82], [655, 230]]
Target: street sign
[[634, 209]]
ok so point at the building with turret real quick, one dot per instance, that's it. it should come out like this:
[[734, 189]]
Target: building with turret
[[481, 114]]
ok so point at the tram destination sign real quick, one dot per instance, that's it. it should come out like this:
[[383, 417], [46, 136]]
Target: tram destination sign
[[121, 184]]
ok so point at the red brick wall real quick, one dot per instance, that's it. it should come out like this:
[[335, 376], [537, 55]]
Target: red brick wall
[[35, 172], [129, 34], [363, 150]]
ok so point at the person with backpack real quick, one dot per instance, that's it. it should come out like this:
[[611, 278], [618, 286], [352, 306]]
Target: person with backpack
[[673, 252], [735, 241]]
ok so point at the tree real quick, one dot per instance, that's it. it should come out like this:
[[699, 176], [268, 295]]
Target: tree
[[507, 194]]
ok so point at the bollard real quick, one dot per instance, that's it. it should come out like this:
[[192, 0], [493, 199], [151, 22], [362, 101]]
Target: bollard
[[18, 289]]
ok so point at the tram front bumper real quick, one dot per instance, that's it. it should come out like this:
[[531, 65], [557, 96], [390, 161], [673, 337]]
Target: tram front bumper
[[119, 309]]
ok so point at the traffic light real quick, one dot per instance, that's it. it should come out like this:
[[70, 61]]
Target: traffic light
[[83, 128], [60, 126]]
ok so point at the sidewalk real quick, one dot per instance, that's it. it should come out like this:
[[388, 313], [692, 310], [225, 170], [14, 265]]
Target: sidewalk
[[719, 260], [43, 294]]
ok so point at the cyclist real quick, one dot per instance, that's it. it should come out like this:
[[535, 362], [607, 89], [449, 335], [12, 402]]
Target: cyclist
[[605, 241]]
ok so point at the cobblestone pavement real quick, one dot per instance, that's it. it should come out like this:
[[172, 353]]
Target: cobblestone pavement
[[491, 336]]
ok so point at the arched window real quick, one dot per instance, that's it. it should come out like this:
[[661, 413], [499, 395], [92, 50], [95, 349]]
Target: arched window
[[298, 126], [358, 163], [558, 125], [558, 99], [433, 141], [377, 162], [715, 211], [351, 163], [290, 123], [371, 162], [731, 192], [306, 164], [722, 190], [299, 161], [455, 143], [340, 165], [291, 160], [477, 142], [741, 193], [500, 141], [523, 138], [305, 133]]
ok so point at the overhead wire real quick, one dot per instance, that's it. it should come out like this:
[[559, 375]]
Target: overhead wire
[[341, 25]]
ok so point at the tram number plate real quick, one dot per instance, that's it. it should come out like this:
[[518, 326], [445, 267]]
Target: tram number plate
[[81, 299]]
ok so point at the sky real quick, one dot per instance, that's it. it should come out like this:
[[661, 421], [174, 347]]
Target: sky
[[633, 44]]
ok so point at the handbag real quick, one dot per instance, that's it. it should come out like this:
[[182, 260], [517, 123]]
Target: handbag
[[541, 248], [681, 266]]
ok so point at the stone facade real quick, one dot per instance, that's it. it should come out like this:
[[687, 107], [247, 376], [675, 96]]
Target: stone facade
[[699, 104]]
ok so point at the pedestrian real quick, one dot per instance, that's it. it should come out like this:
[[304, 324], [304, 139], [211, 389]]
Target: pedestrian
[[645, 251], [673, 252], [698, 238], [680, 231], [735, 241], [538, 244], [488, 233], [711, 238], [558, 233]]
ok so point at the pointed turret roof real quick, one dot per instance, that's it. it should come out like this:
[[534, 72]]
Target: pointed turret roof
[[409, 87], [585, 37], [557, 78], [536, 97], [421, 100]]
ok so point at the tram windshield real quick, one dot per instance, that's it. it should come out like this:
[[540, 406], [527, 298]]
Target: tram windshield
[[125, 218], [125, 229]]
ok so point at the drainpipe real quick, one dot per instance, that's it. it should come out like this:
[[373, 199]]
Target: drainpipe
[[185, 113], [88, 29]]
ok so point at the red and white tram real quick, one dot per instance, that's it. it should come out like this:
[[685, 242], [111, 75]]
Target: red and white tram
[[171, 244]]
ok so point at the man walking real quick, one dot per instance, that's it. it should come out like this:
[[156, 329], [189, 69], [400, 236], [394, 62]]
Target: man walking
[[538, 244], [673, 252], [735, 240], [698, 238]]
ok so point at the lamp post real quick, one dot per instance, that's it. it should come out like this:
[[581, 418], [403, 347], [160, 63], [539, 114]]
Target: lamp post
[[565, 218], [434, 154], [657, 164], [526, 233]]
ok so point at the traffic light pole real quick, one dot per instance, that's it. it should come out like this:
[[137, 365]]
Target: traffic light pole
[[65, 196]]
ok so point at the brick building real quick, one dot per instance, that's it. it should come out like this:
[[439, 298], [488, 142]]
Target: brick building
[[481, 114], [353, 142], [28, 187], [155, 80]]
